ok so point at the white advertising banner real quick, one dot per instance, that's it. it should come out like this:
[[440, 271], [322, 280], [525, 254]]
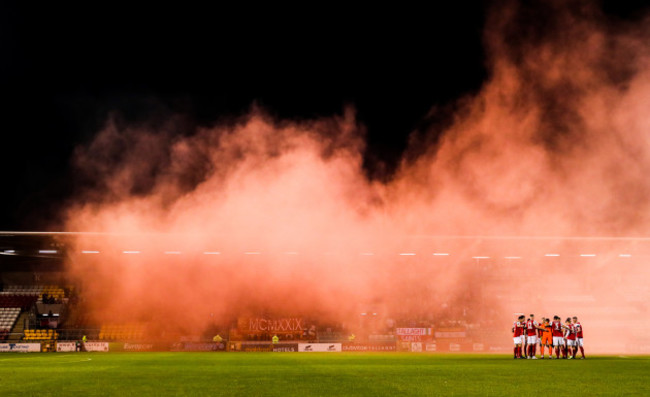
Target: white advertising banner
[[20, 347], [319, 347], [96, 346], [66, 346], [431, 347]]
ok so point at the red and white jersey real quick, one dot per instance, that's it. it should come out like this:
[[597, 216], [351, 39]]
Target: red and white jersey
[[530, 327], [519, 328], [570, 333], [578, 329], [557, 328]]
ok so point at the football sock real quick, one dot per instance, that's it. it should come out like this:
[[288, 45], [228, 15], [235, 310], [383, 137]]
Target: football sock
[[582, 351]]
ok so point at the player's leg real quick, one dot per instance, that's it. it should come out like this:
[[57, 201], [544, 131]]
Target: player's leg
[[582, 349], [550, 349], [534, 347], [574, 349], [566, 349], [525, 345]]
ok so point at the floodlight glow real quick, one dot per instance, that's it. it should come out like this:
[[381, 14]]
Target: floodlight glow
[[587, 255], [440, 254], [513, 257], [552, 255], [252, 253], [89, 252], [172, 252], [130, 252], [624, 255], [480, 257], [407, 254], [10, 251], [212, 253], [47, 251]]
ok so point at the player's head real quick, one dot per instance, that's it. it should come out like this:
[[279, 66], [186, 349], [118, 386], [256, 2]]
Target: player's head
[[543, 319], [556, 317], [568, 320], [521, 317], [575, 319], [547, 320], [532, 316]]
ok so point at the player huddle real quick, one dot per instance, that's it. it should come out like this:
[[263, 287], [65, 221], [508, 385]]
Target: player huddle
[[565, 338]]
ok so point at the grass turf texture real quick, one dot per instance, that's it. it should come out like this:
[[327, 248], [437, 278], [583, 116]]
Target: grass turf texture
[[316, 374]]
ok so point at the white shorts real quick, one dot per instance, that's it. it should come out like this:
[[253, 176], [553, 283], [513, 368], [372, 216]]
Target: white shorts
[[531, 340], [570, 342], [579, 342], [517, 340], [558, 341]]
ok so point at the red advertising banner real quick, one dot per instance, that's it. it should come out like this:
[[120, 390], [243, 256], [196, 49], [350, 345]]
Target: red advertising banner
[[412, 331], [413, 334], [256, 325]]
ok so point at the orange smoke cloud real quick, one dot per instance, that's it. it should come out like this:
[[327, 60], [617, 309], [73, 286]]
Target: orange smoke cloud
[[554, 144]]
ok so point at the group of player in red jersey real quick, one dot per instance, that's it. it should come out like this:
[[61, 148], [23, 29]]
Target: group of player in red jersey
[[565, 338]]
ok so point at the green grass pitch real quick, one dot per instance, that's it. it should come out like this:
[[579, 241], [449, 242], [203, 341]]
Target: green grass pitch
[[316, 374]]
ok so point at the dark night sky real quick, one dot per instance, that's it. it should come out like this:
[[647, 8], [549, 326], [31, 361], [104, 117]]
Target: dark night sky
[[64, 69]]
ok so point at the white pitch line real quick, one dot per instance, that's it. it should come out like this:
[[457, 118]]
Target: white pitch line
[[76, 361]]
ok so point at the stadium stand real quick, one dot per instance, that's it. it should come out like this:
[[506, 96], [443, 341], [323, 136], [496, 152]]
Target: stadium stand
[[40, 335], [35, 290], [54, 291], [24, 302], [8, 316], [122, 332]]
